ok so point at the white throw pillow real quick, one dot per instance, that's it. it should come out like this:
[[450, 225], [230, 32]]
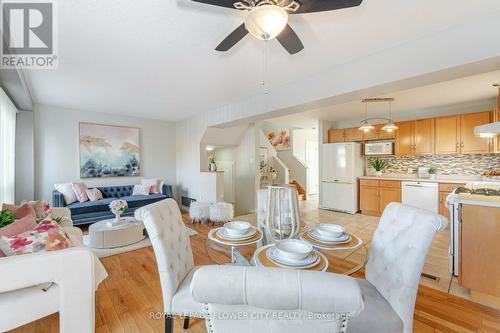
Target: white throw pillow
[[67, 191], [141, 190]]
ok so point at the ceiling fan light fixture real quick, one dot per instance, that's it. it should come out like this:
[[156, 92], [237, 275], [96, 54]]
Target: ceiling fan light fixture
[[265, 22]]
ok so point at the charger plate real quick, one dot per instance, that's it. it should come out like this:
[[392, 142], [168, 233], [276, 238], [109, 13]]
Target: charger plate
[[261, 259], [213, 235], [354, 243]]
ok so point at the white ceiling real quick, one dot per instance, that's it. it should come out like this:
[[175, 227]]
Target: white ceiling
[[469, 92], [155, 58]]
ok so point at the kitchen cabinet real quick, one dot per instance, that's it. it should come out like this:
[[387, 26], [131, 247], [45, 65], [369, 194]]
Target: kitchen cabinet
[[353, 134], [336, 135], [469, 143], [415, 137], [375, 195], [495, 118], [447, 135], [345, 135], [479, 250], [444, 190]]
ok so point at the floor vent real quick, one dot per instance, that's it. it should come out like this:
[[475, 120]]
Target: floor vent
[[185, 201], [430, 276]]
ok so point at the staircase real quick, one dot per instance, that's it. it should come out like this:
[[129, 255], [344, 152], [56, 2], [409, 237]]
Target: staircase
[[300, 190]]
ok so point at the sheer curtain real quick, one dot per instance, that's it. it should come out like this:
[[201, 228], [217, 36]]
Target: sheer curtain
[[7, 148]]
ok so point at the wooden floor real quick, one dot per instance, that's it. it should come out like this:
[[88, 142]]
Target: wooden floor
[[128, 298]]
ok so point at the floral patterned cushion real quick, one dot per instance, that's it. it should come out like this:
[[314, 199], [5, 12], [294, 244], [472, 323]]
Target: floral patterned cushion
[[41, 208], [46, 236]]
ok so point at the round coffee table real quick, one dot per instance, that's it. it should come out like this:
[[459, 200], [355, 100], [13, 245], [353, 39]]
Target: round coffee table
[[107, 235]]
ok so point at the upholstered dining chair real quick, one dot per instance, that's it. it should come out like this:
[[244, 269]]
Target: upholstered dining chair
[[396, 259], [174, 258]]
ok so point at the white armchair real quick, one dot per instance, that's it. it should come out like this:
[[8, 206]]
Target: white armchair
[[76, 272], [397, 255]]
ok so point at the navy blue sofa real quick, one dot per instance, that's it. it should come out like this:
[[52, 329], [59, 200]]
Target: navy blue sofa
[[93, 211]]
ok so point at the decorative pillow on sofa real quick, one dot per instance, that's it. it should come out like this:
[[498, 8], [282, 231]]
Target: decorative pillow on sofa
[[20, 211], [154, 183], [66, 190], [80, 193], [141, 190], [42, 208], [46, 236], [18, 226], [94, 194]]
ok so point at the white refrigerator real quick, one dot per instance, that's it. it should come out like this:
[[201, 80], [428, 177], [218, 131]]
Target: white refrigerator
[[341, 165]]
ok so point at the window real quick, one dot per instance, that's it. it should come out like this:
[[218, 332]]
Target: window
[[7, 148]]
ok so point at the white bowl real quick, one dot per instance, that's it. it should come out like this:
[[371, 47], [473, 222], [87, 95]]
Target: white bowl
[[237, 228], [293, 249], [330, 231]]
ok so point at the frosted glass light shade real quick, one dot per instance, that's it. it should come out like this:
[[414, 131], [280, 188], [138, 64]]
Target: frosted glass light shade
[[389, 127], [266, 22]]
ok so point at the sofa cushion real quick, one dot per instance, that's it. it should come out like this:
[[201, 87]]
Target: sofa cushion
[[142, 200], [90, 206]]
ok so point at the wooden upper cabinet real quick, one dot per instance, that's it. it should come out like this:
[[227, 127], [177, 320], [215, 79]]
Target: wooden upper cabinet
[[404, 138], [469, 143], [371, 135], [353, 134], [495, 118], [384, 135], [447, 135], [423, 133], [336, 135]]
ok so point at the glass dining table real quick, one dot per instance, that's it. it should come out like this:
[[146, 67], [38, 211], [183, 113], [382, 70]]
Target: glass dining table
[[345, 259]]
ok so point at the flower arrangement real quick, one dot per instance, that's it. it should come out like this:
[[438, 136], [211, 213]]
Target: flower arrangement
[[211, 164], [378, 164], [118, 207]]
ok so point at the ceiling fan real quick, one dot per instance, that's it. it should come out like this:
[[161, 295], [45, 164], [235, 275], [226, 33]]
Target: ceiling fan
[[268, 19]]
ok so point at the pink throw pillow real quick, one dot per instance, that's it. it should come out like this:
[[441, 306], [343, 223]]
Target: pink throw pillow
[[94, 194], [19, 226], [42, 208], [46, 236], [20, 211], [154, 184], [141, 190], [80, 193]]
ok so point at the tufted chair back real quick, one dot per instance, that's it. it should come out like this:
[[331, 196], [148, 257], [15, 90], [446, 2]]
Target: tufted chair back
[[397, 255], [171, 245]]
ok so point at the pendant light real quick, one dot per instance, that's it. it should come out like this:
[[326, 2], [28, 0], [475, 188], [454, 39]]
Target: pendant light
[[390, 126], [365, 126]]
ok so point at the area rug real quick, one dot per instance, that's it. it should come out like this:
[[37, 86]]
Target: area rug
[[102, 253]]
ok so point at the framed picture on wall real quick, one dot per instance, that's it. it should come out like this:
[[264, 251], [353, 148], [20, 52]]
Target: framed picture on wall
[[109, 151], [263, 160], [280, 140]]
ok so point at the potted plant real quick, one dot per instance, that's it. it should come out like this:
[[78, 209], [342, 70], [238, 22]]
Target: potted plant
[[211, 164], [432, 172], [378, 164]]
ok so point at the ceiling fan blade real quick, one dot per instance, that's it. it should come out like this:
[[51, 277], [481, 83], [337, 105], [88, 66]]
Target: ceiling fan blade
[[233, 38], [220, 3], [289, 40], [311, 6]]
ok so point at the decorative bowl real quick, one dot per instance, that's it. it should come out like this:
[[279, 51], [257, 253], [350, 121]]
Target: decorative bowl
[[293, 249], [330, 231], [237, 228]]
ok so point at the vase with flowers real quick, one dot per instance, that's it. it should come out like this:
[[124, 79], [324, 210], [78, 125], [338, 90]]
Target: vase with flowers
[[118, 207], [212, 167]]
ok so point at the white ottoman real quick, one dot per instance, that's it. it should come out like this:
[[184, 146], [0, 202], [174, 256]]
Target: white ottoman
[[199, 211], [221, 212]]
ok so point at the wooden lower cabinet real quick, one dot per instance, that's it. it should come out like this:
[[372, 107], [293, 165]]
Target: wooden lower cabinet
[[479, 250], [375, 195]]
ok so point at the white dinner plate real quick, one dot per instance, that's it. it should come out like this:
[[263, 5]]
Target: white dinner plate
[[223, 234], [317, 236], [310, 261]]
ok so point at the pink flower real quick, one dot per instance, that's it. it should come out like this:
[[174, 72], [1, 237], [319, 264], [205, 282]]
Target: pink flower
[[19, 242]]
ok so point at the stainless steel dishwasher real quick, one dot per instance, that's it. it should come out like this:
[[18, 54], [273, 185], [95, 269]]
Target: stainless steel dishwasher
[[423, 195]]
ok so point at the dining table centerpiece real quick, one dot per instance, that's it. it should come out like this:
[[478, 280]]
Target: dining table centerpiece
[[118, 207]]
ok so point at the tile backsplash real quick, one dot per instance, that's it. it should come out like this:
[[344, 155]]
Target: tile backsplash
[[445, 164]]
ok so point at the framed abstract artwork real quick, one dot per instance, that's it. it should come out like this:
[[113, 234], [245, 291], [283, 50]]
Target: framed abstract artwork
[[109, 151], [280, 140]]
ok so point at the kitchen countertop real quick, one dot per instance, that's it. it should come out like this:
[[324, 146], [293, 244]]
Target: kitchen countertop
[[439, 179]]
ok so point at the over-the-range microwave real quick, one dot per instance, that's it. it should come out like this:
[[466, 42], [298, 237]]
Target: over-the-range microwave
[[379, 148]]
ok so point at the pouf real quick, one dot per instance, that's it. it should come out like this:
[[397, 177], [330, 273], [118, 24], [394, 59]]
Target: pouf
[[199, 211], [221, 212]]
